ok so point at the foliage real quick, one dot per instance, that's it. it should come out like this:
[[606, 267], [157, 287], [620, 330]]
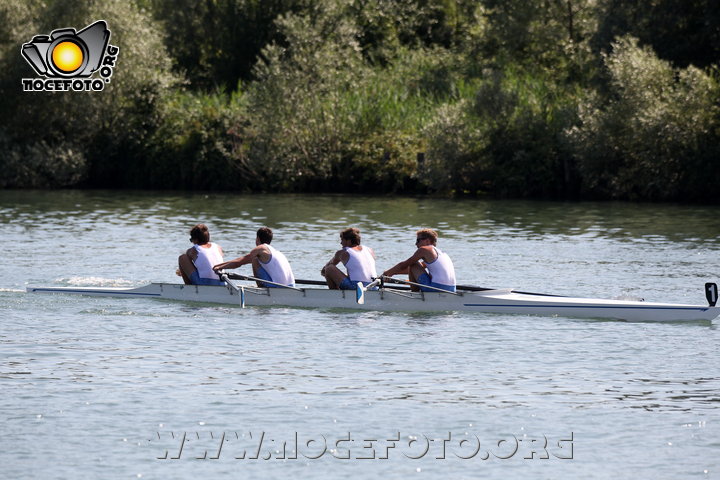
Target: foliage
[[296, 122], [543, 98], [59, 139], [507, 140], [215, 43], [193, 146], [684, 32], [654, 138], [551, 35], [319, 116]]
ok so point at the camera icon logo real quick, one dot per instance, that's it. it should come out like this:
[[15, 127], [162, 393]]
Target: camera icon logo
[[69, 54]]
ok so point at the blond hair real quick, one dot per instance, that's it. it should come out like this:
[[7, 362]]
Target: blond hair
[[427, 233]]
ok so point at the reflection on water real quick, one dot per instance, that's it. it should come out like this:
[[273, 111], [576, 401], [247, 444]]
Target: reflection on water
[[309, 214]]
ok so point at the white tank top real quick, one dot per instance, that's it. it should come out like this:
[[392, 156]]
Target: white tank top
[[206, 258], [361, 265], [278, 268], [441, 269]]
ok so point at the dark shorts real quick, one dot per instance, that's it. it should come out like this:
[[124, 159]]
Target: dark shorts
[[195, 279], [424, 279], [348, 284]]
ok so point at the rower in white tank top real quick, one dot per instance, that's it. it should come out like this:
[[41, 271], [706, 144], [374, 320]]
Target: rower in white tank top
[[206, 258], [441, 270], [269, 265], [361, 265], [278, 267], [428, 269]]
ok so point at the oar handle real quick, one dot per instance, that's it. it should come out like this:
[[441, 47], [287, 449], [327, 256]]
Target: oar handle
[[223, 276]]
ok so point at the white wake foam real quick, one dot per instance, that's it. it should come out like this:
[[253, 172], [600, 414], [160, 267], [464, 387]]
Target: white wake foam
[[95, 282]]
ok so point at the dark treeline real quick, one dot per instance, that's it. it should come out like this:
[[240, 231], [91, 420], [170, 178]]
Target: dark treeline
[[601, 99]]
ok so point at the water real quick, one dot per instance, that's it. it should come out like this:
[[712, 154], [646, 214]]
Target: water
[[108, 388]]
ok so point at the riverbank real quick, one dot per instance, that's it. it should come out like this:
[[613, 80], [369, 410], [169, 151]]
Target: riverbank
[[501, 100]]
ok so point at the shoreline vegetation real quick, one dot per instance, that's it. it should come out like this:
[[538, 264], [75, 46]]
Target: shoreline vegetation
[[551, 99]]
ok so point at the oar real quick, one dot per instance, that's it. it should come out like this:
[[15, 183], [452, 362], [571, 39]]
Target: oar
[[469, 288], [408, 282], [324, 283], [255, 279], [239, 289], [310, 282], [360, 290], [472, 288]]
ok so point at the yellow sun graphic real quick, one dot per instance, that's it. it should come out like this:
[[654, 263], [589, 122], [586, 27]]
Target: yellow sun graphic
[[67, 56]]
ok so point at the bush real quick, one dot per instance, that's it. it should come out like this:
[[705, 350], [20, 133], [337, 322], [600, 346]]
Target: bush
[[505, 141], [652, 137], [193, 146], [95, 135], [320, 117]]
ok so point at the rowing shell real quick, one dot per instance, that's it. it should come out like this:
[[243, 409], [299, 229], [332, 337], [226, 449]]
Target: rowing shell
[[387, 299]]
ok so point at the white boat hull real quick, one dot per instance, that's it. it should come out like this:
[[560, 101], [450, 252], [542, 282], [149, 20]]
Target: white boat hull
[[488, 301]]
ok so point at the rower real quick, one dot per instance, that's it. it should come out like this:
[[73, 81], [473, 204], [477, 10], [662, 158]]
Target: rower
[[268, 263], [359, 262], [195, 265], [428, 265]]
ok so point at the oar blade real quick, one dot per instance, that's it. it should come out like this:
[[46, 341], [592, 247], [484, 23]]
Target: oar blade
[[360, 293]]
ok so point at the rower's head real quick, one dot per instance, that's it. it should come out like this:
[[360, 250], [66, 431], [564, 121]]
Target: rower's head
[[200, 234], [264, 235], [426, 234], [350, 235]]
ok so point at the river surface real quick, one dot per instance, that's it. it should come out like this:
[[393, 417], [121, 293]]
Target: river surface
[[140, 388]]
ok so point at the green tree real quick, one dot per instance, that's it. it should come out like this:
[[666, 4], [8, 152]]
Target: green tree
[[550, 34], [320, 115], [505, 141], [65, 138], [656, 137], [216, 43], [685, 32]]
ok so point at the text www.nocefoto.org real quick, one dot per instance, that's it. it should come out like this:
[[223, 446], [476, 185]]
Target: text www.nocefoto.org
[[208, 445]]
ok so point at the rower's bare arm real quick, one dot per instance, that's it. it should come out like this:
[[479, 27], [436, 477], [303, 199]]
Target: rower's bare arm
[[404, 266], [337, 258], [238, 262], [257, 252], [397, 270], [229, 264]]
